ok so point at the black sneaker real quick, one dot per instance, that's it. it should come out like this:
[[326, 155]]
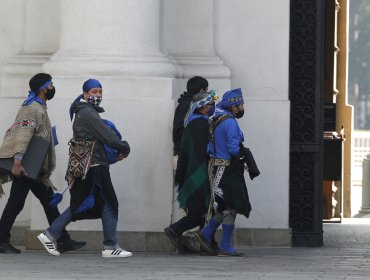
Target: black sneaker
[[7, 248], [70, 245], [174, 237]]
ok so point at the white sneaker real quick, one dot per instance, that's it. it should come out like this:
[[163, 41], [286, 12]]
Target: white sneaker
[[116, 253], [50, 246]]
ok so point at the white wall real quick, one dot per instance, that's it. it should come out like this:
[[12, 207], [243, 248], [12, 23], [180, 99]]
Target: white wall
[[11, 28], [252, 38]]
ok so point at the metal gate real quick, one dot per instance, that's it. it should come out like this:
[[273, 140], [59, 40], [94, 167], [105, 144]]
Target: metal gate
[[306, 87]]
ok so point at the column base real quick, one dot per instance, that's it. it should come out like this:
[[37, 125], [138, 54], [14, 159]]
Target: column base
[[16, 74], [110, 65], [221, 85], [364, 210], [149, 241], [209, 66]]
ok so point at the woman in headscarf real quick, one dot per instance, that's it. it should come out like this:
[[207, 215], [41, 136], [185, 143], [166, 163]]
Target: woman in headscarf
[[192, 167]]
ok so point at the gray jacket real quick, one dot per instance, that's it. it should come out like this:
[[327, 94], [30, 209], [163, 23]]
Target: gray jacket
[[88, 125]]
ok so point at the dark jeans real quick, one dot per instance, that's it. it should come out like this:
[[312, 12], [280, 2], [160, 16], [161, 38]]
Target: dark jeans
[[195, 215], [17, 197]]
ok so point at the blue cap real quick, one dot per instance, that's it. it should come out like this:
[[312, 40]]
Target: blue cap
[[231, 98], [91, 83]]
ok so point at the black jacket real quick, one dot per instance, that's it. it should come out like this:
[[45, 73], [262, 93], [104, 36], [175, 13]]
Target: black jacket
[[178, 120]]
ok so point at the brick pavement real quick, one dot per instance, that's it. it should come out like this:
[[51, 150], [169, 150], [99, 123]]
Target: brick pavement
[[346, 255]]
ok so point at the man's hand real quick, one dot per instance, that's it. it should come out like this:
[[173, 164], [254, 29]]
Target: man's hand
[[121, 157], [17, 168]]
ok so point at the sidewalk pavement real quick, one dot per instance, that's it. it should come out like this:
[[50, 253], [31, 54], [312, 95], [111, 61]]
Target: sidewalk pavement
[[346, 255]]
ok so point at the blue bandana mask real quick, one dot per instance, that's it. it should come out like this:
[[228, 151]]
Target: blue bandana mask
[[94, 100]]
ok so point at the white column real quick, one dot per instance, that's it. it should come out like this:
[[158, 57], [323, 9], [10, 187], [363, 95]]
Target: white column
[[40, 40], [188, 37], [111, 37], [39, 23], [117, 42]]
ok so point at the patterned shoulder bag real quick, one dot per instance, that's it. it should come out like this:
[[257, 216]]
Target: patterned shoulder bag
[[80, 154]]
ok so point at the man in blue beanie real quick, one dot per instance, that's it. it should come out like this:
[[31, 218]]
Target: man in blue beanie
[[92, 192]]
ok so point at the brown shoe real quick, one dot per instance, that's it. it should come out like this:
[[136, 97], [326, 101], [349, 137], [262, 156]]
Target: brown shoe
[[203, 242], [189, 245]]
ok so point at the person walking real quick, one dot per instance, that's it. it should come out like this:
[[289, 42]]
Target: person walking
[[194, 85], [228, 187], [32, 120], [92, 192], [192, 168]]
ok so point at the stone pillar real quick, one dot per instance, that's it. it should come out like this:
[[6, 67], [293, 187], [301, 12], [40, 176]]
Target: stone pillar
[[189, 37], [40, 40], [39, 20], [365, 206], [114, 37], [117, 42]]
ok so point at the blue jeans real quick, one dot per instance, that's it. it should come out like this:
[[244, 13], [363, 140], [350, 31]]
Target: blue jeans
[[109, 221]]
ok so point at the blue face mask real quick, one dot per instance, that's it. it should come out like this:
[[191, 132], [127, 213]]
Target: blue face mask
[[211, 111]]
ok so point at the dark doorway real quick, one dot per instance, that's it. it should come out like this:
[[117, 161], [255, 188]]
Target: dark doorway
[[306, 88]]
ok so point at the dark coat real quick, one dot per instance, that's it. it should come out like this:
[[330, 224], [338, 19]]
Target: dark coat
[[192, 166], [178, 120], [97, 182]]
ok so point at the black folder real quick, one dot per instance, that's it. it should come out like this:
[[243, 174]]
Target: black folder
[[32, 160]]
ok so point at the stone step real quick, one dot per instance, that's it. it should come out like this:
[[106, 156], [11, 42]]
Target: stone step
[[18, 233], [22, 235]]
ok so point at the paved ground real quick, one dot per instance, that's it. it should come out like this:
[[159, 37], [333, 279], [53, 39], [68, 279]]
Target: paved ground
[[346, 255]]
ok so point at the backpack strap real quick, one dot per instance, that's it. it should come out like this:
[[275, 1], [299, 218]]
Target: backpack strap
[[215, 123]]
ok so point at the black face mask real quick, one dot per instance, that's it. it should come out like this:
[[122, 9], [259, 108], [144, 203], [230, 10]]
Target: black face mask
[[239, 114], [50, 93]]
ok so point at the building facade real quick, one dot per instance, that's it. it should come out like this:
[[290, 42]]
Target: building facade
[[143, 52]]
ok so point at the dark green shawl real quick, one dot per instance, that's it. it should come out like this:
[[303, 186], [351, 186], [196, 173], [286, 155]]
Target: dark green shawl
[[192, 166]]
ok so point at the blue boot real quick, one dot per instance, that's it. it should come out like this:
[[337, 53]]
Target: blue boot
[[204, 237], [210, 229], [225, 246]]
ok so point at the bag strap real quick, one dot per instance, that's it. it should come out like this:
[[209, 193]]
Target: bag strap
[[215, 123]]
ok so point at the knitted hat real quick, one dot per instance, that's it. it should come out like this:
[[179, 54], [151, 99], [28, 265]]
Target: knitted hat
[[231, 98]]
